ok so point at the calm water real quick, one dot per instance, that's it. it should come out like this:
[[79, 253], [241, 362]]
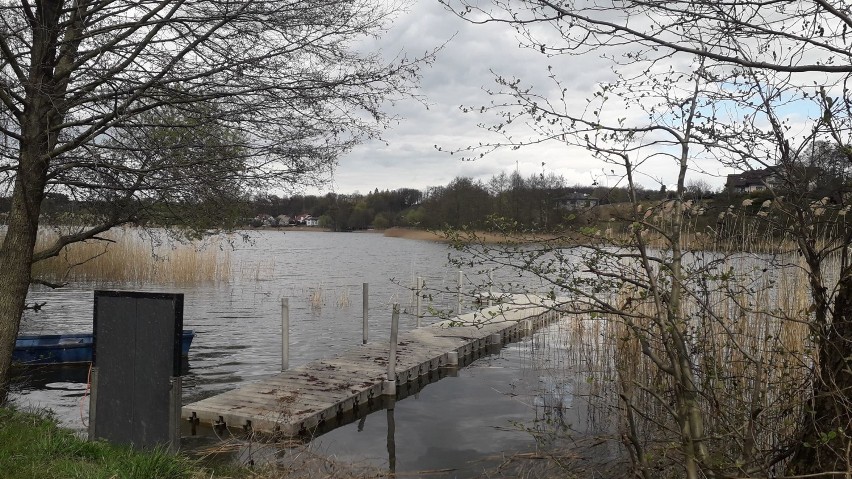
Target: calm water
[[484, 409]]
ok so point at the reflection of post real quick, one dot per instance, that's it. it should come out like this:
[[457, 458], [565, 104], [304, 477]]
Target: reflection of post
[[419, 288], [391, 441], [389, 386], [285, 334], [366, 308]]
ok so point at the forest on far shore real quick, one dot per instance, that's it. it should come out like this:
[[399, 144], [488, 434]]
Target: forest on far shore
[[541, 202]]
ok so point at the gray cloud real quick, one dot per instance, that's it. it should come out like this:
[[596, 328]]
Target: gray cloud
[[406, 156]]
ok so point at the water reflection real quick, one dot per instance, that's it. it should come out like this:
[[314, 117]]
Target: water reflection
[[391, 441]]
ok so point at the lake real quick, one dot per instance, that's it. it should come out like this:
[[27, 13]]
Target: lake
[[520, 398]]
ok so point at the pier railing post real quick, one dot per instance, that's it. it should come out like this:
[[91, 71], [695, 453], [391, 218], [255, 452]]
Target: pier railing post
[[490, 289], [366, 310], [285, 334], [419, 288], [389, 386], [459, 287]]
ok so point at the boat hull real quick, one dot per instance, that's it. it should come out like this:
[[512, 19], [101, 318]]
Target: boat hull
[[67, 348]]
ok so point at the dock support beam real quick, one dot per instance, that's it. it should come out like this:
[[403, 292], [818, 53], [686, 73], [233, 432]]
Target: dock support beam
[[389, 386]]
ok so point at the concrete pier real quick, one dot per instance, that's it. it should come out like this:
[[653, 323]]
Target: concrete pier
[[295, 401]]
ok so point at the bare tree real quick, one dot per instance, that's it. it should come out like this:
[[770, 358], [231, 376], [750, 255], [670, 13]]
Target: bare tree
[[92, 89], [759, 61]]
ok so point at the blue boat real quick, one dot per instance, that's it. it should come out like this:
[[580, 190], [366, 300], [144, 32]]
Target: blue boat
[[67, 348]]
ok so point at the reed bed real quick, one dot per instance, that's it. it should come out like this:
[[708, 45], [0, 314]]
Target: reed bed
[[129, 255], [318, 296], [734, 316], [745, 320], [751, 356]]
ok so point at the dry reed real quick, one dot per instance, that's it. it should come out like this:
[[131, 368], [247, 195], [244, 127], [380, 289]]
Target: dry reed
[[127, 255], [315, 297], [343, 298]]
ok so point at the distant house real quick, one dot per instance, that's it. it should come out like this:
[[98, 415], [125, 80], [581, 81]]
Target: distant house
[[263, 219], [283, 220], [751, 181], [307, 220], [577, 201], [773, 177]]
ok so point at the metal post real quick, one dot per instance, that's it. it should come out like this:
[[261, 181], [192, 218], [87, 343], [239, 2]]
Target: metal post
[[490, 282], [175, 395], [453, 358], [458, 306], [93, 401], [366, 308], [419, 289], [389, 386], [285, 334]]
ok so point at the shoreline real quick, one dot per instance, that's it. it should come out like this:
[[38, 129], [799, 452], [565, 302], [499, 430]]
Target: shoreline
[[429, 235]]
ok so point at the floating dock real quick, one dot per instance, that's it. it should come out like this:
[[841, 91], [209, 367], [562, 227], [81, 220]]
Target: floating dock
[[299, 400]]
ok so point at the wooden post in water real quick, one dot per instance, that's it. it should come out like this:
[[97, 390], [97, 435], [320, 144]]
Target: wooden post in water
[[459, 287], [419, 289], [389, 386], [285, 334], [365, 309]]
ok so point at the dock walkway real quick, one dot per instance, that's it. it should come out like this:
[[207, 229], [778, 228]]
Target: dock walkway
[[295, 401]]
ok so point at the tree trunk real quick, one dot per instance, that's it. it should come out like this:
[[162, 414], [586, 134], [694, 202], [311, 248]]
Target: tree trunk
[[16, 255], [825, 442], [43, 95]]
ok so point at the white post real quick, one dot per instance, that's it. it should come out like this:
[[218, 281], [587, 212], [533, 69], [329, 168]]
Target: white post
[[419, 289], [389, 386], [366, 309], [458, 306], [490, 282], [453, 358], [285, 334]]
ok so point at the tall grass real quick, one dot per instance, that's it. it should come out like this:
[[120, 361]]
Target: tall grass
[[130, 256]]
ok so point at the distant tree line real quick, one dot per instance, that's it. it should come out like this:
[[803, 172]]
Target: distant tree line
[[534, 202]]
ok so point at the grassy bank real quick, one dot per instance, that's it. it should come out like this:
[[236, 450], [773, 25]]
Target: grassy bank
[[33, 446]]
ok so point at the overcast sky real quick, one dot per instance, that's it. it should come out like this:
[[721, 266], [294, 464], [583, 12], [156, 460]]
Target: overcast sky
[[474, 53]]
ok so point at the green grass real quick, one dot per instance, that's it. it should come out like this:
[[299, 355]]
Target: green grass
[[33, 446]]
